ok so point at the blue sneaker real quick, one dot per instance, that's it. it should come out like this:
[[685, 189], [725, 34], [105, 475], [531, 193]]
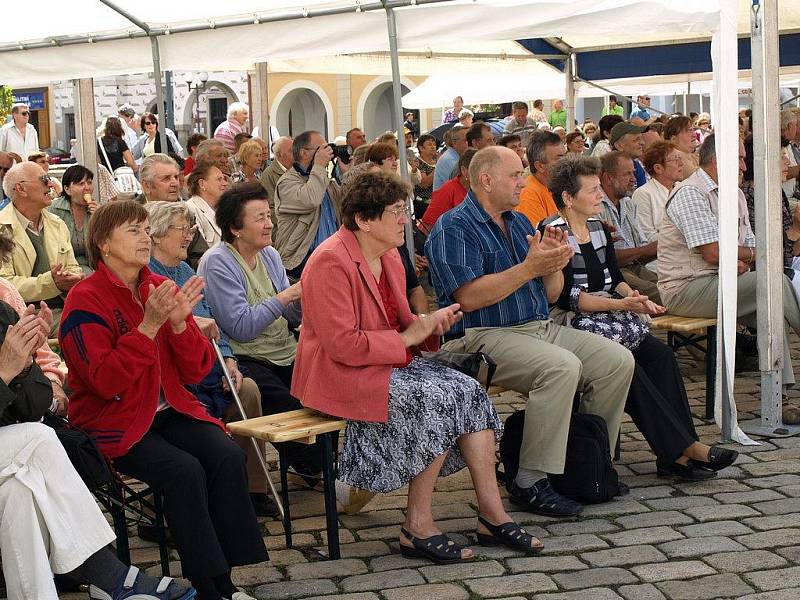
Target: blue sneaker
[[167, 589]]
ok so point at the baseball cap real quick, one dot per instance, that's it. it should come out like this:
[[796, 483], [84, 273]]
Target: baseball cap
[[622, 129]]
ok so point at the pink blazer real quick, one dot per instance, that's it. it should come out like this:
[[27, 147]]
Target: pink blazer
[[347, 349]]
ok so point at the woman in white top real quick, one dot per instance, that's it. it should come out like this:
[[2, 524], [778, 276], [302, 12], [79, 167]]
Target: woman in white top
[[150, 142], [206, 185]]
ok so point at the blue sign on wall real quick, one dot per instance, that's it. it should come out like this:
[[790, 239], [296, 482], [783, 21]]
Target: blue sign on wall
[[34, 100]]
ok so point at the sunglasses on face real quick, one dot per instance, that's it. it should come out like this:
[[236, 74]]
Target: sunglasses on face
[[25, 113], [149, 123], [45, 179]]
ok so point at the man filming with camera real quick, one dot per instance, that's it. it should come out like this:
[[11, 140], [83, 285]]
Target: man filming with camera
[[307, 202]]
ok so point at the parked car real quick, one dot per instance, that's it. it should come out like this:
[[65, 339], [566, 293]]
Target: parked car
[[58, 155]]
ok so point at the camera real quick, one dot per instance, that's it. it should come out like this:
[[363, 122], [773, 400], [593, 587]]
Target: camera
[[343, 153]]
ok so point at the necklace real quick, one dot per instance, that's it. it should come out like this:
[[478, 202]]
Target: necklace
[[582, 239]]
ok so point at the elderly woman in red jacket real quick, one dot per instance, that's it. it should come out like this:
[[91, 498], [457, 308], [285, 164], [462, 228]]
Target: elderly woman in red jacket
[[131, 345], [409, 419]]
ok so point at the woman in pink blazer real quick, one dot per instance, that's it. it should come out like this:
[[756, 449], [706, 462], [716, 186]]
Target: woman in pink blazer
[[409, 419]]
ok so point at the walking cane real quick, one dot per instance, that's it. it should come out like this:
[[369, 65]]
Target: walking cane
[[253, 440]]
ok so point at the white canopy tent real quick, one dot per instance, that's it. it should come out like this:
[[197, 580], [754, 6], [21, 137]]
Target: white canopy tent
[[124, 38]]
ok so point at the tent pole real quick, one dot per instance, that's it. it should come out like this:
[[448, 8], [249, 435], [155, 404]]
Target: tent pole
[[85, 123], [259, 103], [397, 117], [767, 186], [569, 93], [162, 128]]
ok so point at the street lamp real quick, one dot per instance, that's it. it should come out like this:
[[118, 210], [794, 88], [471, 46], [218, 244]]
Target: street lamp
[[196, 83]]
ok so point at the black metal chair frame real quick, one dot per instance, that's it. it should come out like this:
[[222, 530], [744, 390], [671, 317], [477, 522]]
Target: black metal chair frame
[[676, 341]]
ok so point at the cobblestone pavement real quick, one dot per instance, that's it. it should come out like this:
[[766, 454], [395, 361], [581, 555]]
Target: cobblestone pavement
[[737, 536]]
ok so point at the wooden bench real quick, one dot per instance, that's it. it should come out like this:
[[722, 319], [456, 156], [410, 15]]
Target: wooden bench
[[304, 426], [690, 331]]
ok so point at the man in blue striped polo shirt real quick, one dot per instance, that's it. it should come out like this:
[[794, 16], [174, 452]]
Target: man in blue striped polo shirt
[[490, 260]]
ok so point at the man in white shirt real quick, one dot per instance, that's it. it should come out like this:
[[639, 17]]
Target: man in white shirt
[[127, 116], [19, 136]]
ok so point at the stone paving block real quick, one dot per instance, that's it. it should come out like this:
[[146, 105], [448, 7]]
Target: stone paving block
[[496, 552], [627, 555], [457, 572], [715, 528], [454, 511], [705, 588], [255, 574], [699, 547], [363, 549], [396, 561], [497, 587], [655, 519], [775, 579], [686, 569], [770, 539], [792, 491], [644, 591], [359, 596], [372, 518], [711, 486], [773, 522], [439, 591], [750, 497], [721, 512], [782, 454], [773, 481], [544, 564], [681, 502], [791, 553], [615, 507], [327, 569], [300, 540], [647, 535], [655, 491], [381, 581], [389, 532], [778, 507], [773, 595], [295, 589], [593, 593], [742, 562], [345, 537], [774, 467], [586, 526], [573, 543], [283, 557], [605, 576]]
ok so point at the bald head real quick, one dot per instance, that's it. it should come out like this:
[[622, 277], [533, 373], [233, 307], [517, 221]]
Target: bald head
[[23, 184], [495, 175]]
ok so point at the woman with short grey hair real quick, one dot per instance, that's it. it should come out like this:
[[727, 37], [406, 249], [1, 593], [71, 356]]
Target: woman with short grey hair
[[162, 215]]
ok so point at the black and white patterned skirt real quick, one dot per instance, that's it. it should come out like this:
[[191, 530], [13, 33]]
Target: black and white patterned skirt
[[430, 407]]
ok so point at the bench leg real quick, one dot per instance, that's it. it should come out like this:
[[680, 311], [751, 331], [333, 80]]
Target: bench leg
[[283, 467], [120, 526], [329, 482], [163, 549], [711, 369]]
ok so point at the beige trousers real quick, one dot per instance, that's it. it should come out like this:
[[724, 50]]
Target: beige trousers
[[251, 400], [548, 363], [699, 299]]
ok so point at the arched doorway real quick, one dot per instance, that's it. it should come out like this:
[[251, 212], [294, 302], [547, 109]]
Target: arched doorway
[[302, 106], [379, 110]]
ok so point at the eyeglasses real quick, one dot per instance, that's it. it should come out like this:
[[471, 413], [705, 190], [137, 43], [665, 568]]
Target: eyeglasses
[[186, 230], [646, 98], [45, 179], [25, 113], [400, 212], [150, 123]]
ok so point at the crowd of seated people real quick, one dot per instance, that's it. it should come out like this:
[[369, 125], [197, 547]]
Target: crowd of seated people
[[330, 315]]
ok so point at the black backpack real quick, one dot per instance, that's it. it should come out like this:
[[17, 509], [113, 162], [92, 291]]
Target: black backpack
[[588, 475]]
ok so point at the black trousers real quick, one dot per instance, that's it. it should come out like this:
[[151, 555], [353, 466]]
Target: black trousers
[[657, 401], [206, 501], [274, 383]]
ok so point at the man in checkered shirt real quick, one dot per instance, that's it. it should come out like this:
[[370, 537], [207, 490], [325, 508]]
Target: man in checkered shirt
[[688, 251]]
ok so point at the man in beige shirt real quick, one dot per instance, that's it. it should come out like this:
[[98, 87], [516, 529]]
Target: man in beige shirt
[[282, 151]]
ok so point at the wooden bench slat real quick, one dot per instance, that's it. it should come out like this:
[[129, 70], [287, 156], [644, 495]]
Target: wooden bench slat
[[301, 425], [681, 324]]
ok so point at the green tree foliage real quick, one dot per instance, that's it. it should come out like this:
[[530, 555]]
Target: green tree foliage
[[6, 100]]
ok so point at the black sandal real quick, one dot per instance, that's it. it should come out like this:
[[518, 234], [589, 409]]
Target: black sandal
[[509, 535], [438, 548]]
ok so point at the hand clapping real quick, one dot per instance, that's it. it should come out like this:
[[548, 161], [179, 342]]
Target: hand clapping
[[548, 253]]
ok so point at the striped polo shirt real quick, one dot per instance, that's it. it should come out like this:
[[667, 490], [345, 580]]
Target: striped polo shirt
[[466, 244]]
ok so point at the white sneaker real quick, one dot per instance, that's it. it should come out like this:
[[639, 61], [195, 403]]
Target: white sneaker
[[241, 596], [352, 499]]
